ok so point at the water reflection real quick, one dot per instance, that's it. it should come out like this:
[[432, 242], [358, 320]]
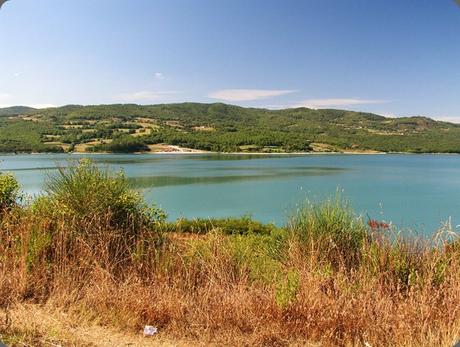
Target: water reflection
[[144, 182]]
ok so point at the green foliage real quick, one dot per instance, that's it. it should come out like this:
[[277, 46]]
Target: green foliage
[[331, 229], [441, 268], [402, 265], [39, 243], [15, 110], [85, 191], [240, 226], [122, 144], [258, 255], [401, 260], [25, 136], [287, 289], [9, 190], [224, 128]]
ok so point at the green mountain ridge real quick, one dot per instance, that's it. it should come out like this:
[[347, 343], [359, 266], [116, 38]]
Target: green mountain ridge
[[218, 127], [15, 110]]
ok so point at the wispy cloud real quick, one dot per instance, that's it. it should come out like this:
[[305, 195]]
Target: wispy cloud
[[247, 94], [328, 103], [145, 96], [159, 76]]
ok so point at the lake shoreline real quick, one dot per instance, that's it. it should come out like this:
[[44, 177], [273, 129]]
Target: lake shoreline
[[234, 153], [172, 149]]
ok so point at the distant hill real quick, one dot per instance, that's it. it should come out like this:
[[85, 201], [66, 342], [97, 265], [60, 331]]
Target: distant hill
[[219, 127], [15, 110]]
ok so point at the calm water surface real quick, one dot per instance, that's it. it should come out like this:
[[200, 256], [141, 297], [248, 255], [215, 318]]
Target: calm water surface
[[416, 191]]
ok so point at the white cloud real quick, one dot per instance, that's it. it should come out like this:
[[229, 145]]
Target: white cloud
[[330, 103], [247, 94], [43, 105], [28, 105], [159, 76], [8, 100], [17, 74], [145, 96]]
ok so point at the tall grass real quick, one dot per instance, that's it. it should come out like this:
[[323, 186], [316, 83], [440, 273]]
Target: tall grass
[[330, 231], [324, 279]]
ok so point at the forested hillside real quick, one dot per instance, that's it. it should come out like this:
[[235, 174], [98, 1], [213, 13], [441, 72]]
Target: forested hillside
[[218, 127], [15, 110]]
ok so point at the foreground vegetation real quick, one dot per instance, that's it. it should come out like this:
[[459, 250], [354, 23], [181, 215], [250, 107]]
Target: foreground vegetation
[[218, 127], [92, 253]]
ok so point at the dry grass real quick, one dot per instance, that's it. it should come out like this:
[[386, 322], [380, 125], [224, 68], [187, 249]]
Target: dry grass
[[324, 280], [200, 289], [36, 325]]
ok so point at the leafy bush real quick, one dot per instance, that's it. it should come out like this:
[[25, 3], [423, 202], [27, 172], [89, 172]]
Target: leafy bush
[[84, 191], [9, 190]]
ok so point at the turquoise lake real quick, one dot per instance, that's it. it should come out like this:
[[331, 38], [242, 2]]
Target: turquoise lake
[[413, 191]]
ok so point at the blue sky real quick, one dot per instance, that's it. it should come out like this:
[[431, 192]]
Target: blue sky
[[390, 57]]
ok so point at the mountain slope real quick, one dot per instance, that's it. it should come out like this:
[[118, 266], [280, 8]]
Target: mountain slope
[[15, 110], [221, 127]]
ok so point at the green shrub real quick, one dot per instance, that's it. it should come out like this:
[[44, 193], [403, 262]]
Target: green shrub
[[252, 257], [84, 191], [9, 191], [287, 289], [258, 255], [330, 228]]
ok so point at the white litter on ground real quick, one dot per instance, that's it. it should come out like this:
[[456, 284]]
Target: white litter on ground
[[150, 330]]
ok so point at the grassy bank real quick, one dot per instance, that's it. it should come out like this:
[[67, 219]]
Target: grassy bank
[[90, 253]]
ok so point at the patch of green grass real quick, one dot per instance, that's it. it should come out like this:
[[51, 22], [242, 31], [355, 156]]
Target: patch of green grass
[[230, 226], [258, 255], [287, 289], [330, 229]]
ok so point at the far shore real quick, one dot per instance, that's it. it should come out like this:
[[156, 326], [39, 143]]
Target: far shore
[[237, 153], [170, 149]]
